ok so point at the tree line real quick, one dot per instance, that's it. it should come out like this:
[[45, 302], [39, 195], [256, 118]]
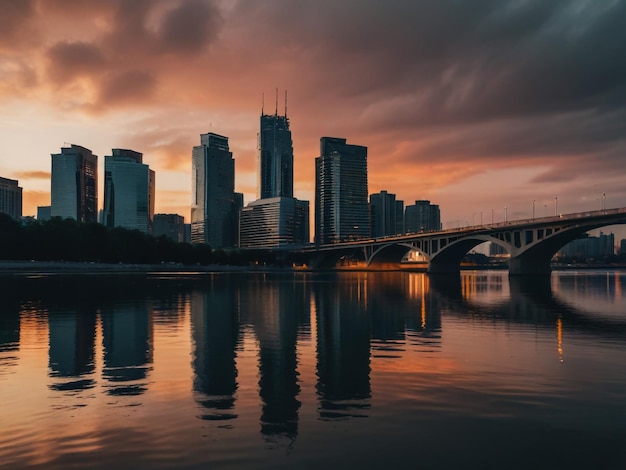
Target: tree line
[[60, 239]]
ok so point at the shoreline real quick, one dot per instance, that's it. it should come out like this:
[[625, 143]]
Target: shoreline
[[69, 267]]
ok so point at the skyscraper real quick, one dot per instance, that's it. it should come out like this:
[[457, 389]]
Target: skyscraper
[[275, 157], [275, 222], [128, 191], [341, 206], [422, 217], [74, 184], [171, 226], [276, 218], [387, 214], [214, 205], [10, 198]]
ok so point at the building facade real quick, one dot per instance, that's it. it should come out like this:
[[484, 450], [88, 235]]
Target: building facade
[[274, 222], [275, 157], [171, 226], [74, 184], [422, 217], [10, 198], [129, 191], [387, 214], [43, 213], [215, 205], [341, 196]]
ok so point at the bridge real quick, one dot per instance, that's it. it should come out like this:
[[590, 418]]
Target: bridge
[[531, 243]]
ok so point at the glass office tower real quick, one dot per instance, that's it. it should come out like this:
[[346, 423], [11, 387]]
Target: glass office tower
[[128, 191], [10, 198], [215, 205], [341, 205], [275, 157], [74, 184]]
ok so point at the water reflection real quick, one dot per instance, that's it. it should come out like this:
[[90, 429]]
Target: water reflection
[[215, 334], [72, 337], [9, 334], [127, 342], [280, 358], [343, 348], [276, 309]]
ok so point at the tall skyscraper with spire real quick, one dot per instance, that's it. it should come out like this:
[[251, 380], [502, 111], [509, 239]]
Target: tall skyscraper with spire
[[276, 218], [275, 155]]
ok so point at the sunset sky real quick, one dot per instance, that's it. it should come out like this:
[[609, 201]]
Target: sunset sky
[[475, 105]]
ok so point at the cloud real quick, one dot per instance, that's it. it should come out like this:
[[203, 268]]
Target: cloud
[[126, 88], [190, 27], [14, 20], [33, 174], [71, 60]]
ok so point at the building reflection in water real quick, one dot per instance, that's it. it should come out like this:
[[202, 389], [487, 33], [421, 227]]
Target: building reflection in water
[[343, 347], [276, 310], [9, 332], [127, 341], [72, 335], [215, 333]]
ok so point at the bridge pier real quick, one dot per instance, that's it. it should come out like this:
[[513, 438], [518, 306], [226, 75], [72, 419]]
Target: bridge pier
[[526, 265]]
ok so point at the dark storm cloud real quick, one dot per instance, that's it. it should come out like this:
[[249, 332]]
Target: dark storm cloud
[[71, 60], [14, 16], [457, 61], [190, 27]]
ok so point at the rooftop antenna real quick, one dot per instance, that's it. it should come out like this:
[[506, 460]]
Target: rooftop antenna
[[276, 112], [262, 103], [285, 102]]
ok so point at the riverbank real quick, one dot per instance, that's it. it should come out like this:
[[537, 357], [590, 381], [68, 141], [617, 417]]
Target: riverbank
[[44, 267]]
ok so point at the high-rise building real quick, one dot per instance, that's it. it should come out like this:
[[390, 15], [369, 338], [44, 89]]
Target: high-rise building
[[276, 218], [274, 222], [171, 226], [387, 214], [275, 157], [214, 205], [43, 213], [341, 205], [128, 191], [422, 217], [74, 184], [10, 198]]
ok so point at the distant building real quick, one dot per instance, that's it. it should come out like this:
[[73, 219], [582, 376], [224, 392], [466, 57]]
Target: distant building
[[10, 198], [590, 247], [275, 157], [43, 213], [274, 222], [187, 236], [422, 217], [496, 250], [341, 196], [129, 191], [387, 214], [171, 226], [74, 184], [622, 247], [215, 205]]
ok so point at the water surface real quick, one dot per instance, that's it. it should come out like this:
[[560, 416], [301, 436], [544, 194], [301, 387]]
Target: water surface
[[266, 370]]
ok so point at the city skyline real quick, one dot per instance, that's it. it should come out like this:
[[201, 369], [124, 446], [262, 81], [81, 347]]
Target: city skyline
[[489, 108]]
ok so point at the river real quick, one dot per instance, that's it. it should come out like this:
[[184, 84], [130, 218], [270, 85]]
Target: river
[[311, 370]]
